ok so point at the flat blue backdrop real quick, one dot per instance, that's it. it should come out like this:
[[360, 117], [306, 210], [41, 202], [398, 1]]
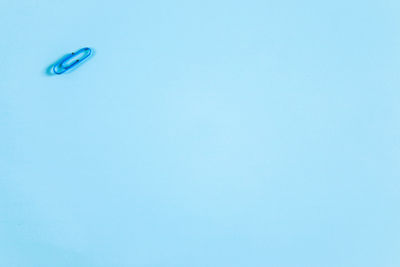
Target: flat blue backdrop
[[205, 133]]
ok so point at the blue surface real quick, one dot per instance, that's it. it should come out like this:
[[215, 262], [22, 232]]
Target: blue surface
[[202, 133]]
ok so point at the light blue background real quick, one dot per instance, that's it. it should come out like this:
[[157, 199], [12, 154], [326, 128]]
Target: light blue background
[[202, 133]]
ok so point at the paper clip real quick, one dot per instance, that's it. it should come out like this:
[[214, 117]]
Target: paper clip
[[72, 60]]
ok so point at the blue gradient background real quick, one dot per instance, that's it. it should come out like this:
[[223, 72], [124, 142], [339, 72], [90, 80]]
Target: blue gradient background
[[202, 133]]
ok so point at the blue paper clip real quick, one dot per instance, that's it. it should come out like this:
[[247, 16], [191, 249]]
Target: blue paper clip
[[69, 62]]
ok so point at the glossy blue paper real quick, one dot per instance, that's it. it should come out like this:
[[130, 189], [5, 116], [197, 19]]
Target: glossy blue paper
[[202, 134]]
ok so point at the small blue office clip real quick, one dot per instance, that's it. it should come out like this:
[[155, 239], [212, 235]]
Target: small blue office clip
[[81, 55]]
